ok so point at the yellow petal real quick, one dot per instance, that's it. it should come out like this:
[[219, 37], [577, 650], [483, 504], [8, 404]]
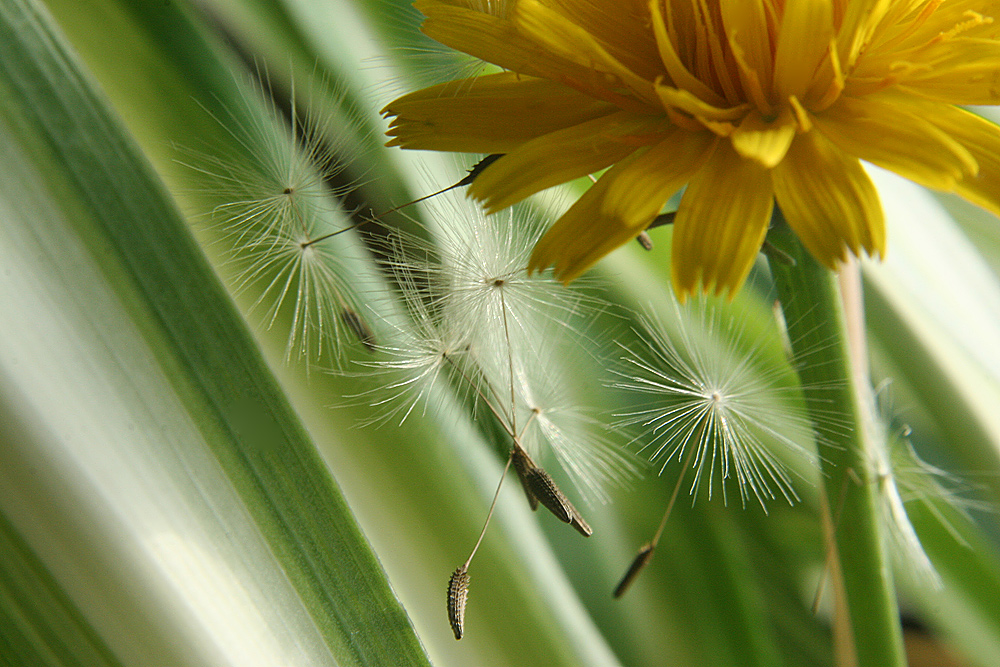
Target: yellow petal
[[959, 70], [860, 18], [494, 113], [693, 105], [887, 132], [621, 204], [980, 18], [721, 223], [982, 139], [749, 36], [679, 75], [496, 39], [762, 141], [560, 36], [563, 155], [621, 27], [806, 31], [828, 200]]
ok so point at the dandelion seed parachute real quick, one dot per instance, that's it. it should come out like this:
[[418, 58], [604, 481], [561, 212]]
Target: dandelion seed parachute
[[714, 405], [716, 410], [761, 99], [903, 480], [279, 220]]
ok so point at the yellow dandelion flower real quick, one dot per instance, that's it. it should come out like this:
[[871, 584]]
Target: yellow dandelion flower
[[747, 102]]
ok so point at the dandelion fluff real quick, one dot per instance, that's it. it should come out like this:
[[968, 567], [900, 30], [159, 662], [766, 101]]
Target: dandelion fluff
[[555, 422], [903, 478], [272, 195], [471, 277], [712, 404], [478, 320]]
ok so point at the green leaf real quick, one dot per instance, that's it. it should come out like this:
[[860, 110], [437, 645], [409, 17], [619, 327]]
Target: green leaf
[[116, 327]]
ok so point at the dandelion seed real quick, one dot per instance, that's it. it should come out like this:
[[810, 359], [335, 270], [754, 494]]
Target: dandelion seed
[[556, 422], [714, 398], [639, 563], [541, 488], [458, 595], [275, 192], [902, 477], [716, 408], [475, 320]]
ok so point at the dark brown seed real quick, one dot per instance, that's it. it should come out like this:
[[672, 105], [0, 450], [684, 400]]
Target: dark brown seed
[[640, 561], [539, 484], [358, 327], [522, 463], [662, 219], [458, 595], [478, 168]]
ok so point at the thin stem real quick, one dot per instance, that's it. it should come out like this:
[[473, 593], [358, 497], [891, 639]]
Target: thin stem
[[673, 498], [534, 414], [316, 240], [473, 173], [510, 359], [485, 399], [817, 328], [645, 554], [489, 514]]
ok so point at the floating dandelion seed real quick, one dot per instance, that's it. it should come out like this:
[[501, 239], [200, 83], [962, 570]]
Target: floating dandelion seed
[[714, 398], [556, 422], [716, 410], [275, 206], [902, 478], [476, 320], [764, 100], [541, 488]]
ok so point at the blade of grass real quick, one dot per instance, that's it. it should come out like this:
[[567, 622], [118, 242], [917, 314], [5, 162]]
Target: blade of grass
[[114, 205]]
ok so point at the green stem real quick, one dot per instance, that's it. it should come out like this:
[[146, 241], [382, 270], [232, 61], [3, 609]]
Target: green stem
[[834, 389]]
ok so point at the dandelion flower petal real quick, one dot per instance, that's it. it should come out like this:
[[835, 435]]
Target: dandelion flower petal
[[689, 103], [559, 35], [806, 31], [495, 113], [982, 139], [762, 141], [958, 71], [860, 17], [621, 204], [678, 73], [890, 135], [607, 22], [828, 200], [494, 38], [721, 223], [564, 155], [746, 28]]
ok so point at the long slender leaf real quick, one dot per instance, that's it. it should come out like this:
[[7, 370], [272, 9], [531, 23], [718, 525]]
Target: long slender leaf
[[151, 286]]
